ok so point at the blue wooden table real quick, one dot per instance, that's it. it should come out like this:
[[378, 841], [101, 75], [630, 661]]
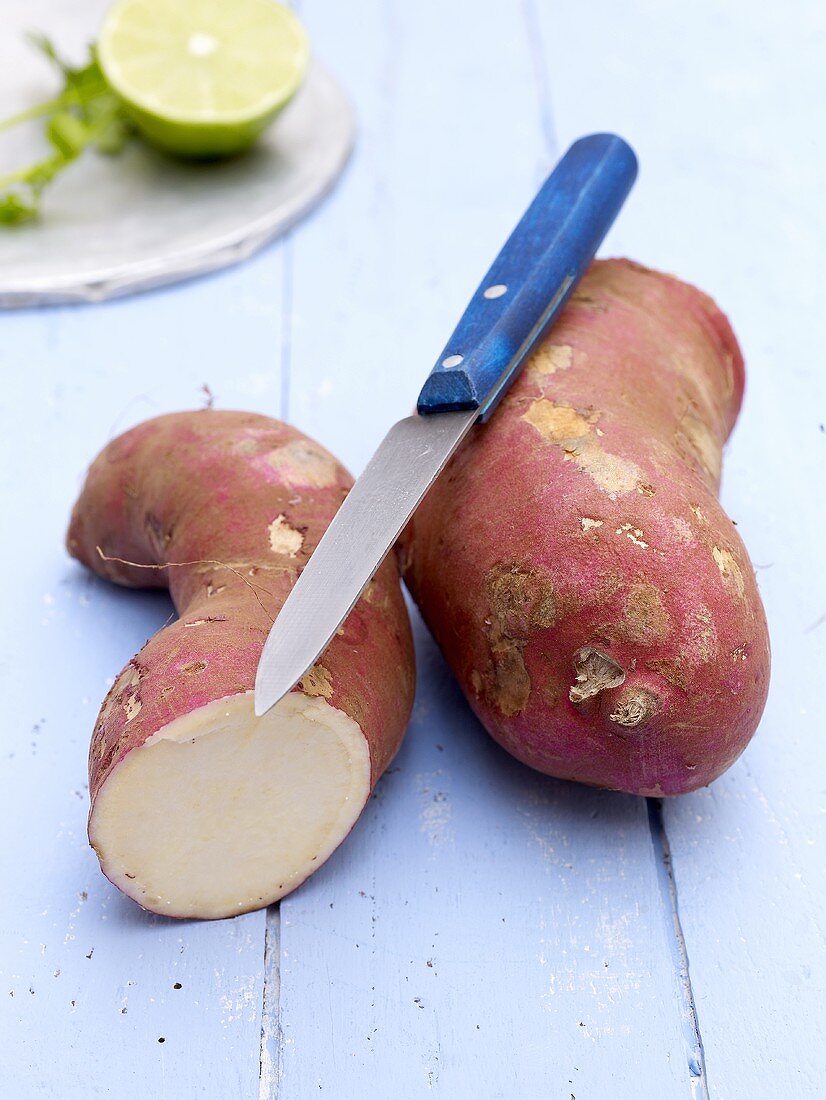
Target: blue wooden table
[[485, 932]]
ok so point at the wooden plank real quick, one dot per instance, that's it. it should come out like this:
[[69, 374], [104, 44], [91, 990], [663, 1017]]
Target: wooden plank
[[90, 1003], [485, 931], [719, 101]]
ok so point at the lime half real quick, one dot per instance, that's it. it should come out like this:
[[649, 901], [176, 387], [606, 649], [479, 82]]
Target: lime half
[[202, 78]]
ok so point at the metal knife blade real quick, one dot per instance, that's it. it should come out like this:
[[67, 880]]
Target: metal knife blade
[[372, 517], [513, 307]]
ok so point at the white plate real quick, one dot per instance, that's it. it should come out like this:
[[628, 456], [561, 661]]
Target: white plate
[[114, 225]]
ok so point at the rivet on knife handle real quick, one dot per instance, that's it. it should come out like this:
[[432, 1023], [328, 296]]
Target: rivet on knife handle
[[532, 277]]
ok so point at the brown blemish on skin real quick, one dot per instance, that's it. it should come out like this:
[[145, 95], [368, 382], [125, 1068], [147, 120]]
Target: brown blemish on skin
[[695, 508], [594, 672], [520, 601], [633, 534], [132, 707], [357, 710], [729, 569], [107, 756], [511, 687], [193, 668], [588, 301], [703, 644], [644, 619], [121, 693], [682, 530], [588, 524], [566, 428], [549, 358], [476, 682], [207, 619], [129, 678], [301, 465], [728, 360], [559, 424], [317, 681], [158, 538], [284, 539], [552, 694], [670, 669], [376, 596], [634, 707], [694, 441]]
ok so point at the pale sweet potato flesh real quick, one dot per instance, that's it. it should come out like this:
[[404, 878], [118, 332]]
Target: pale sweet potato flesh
[[573, 562], [253, 806], [198, 808]]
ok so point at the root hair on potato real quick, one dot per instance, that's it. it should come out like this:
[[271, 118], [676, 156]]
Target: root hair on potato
[[186, 564]]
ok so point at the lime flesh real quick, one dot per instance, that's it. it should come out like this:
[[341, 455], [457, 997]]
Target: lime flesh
[[203, 78]]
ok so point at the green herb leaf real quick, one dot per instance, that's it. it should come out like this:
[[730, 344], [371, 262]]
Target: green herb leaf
[[15, 209], [85, 113]]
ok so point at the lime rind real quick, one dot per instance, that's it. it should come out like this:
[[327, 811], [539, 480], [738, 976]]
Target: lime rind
[[203, 77]]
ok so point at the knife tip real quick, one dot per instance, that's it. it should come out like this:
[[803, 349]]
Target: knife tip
[[262, 698], [262, 703]]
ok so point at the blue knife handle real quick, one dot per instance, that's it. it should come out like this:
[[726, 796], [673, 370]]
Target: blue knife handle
[[532, 277]]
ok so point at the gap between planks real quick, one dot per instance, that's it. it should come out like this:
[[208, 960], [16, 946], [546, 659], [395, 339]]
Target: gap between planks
[[695, 1054], [269, 1061]]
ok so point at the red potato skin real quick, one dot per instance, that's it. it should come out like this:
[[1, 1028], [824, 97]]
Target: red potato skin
[[207, 485], [579, 531]]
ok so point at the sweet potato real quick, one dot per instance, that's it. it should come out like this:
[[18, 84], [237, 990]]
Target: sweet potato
[[573, 562], [199, 809]]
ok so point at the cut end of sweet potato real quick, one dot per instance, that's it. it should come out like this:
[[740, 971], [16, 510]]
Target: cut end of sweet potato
[[220, 812]]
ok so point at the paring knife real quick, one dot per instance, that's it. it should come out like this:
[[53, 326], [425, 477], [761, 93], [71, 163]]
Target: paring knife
[[513, 307]]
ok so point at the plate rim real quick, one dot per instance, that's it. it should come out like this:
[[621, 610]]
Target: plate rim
[[231, 247]]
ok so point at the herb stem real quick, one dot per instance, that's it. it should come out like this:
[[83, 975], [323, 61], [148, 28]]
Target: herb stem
[[24, 175], [40, 109]]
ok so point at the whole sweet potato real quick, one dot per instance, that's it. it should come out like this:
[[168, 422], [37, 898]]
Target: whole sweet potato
[[573, 562]]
